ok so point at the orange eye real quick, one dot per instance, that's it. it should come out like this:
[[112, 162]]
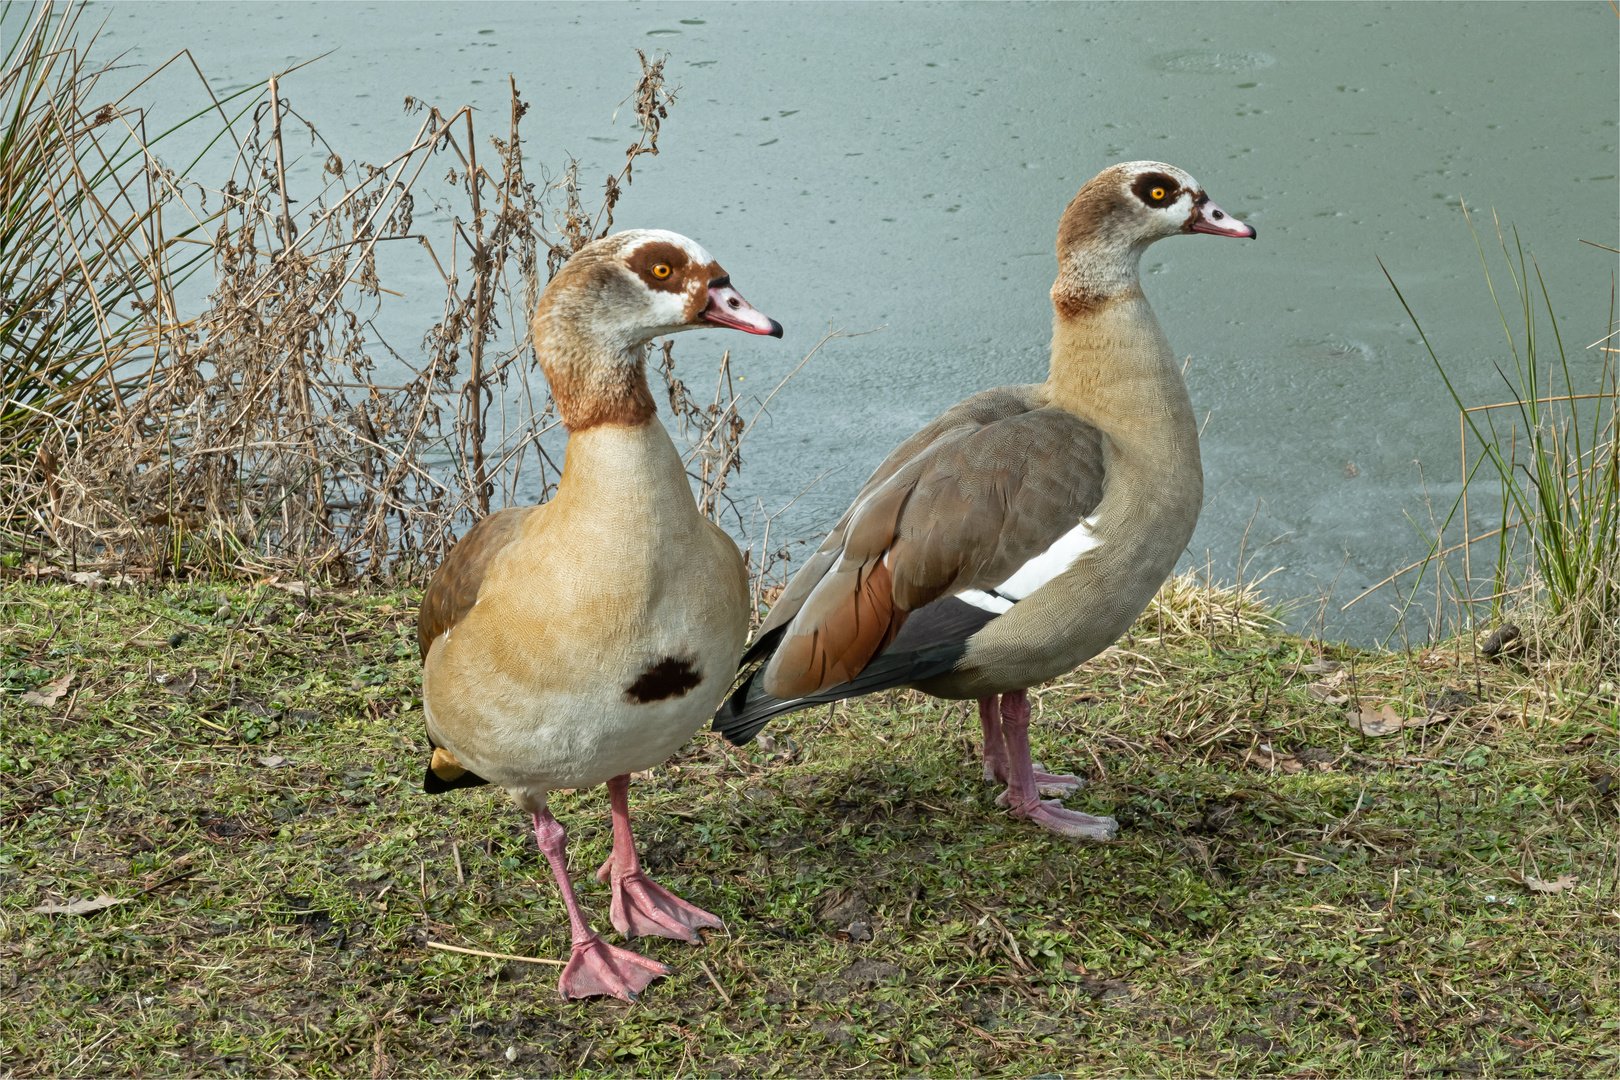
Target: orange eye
[[661, 271], [1156, 194]]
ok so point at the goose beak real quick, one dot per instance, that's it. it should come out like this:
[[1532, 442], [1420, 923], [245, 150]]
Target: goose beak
[[728, 308], [1209, 218]]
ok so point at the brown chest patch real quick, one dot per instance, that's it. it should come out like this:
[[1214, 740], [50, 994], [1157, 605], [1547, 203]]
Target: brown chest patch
[[1074, 302], [669, 678]]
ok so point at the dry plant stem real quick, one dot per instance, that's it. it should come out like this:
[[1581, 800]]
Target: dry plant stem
[[256, 438], [245, 442], [473, 401], [494, 955]]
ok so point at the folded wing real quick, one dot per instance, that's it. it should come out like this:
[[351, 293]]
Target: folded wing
[[449, 596], [994, 493]]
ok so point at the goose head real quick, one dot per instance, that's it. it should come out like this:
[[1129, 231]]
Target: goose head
[[621, 291], [613, 296], [1121, 211]]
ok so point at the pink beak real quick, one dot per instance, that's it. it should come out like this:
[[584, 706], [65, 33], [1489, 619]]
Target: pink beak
[[728, 308], [1209, 218]]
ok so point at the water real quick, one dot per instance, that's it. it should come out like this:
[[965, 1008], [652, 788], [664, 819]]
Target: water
[[904, 167]]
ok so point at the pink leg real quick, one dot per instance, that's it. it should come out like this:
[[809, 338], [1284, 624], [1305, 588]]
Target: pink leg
[[1052, 785], [995, 750], [595, 967], [641, 906], [1023, 797]]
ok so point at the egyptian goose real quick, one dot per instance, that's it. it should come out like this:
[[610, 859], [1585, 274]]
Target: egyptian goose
[[576, 642], [1025, 529]]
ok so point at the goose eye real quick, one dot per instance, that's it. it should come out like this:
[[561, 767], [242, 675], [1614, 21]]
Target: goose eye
[[1156, 194], [661, 271]]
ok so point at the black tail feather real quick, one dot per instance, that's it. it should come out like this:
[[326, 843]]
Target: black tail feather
[[763, 646], [750, 707], [434, 784]]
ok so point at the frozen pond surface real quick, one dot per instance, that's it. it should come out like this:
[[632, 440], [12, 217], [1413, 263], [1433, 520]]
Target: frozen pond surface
[[905, 166]]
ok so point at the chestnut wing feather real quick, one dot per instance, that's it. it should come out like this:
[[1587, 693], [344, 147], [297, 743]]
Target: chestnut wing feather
[[995, 482], [983, 408], [454, 588]]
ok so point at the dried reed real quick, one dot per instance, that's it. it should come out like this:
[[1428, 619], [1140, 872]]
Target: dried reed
[[258, 438]]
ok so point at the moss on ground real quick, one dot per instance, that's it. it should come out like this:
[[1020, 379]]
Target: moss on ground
[[243, 765]]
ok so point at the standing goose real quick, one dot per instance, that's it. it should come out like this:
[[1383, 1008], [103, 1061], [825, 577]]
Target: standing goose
[[1025, 529], [576, 642]]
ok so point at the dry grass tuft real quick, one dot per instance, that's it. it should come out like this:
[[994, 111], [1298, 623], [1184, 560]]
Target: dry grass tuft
[[1193, 606], [87, 260]]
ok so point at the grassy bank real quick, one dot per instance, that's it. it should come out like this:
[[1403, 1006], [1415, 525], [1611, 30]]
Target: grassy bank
[[242, 764]]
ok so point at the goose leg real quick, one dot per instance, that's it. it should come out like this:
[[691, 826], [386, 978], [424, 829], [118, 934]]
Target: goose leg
[[595, 967], [995, 748], [1023, 797], [641, 906], [1052, 785]]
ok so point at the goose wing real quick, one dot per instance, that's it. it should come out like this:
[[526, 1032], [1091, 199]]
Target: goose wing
[[968, 516], [450, 594]]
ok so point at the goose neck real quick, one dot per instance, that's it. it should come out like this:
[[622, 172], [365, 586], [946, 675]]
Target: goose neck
[[1095, 275], [595, 385], [1112, 366]]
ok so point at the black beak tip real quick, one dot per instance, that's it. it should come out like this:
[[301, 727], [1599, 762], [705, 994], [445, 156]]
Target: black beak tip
[[776, 329]]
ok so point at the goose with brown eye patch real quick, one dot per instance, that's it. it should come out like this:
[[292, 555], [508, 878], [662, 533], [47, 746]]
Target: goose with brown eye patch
[[584, 640], [1023, 531]]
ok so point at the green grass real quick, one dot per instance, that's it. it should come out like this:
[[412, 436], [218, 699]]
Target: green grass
[[1338, 905], [1556, 460]]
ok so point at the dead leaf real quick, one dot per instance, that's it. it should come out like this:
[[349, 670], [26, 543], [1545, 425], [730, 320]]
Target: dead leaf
[[274, 761], [1500, 638], [50, 693], [80, 907], [1268, 759], [1299, 867], [1325, 693], [89, 578], [1535, 884], [1376, 724]]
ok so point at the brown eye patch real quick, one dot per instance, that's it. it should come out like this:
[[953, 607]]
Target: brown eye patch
[[1155, 189], [660, 265]]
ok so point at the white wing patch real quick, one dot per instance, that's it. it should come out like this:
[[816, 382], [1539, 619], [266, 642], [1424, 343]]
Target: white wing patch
[[997, 605], [1051, 562]]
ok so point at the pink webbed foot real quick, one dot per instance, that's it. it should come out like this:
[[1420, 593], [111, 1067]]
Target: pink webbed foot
[[599, 968], [1049, 814], [644, 908]]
